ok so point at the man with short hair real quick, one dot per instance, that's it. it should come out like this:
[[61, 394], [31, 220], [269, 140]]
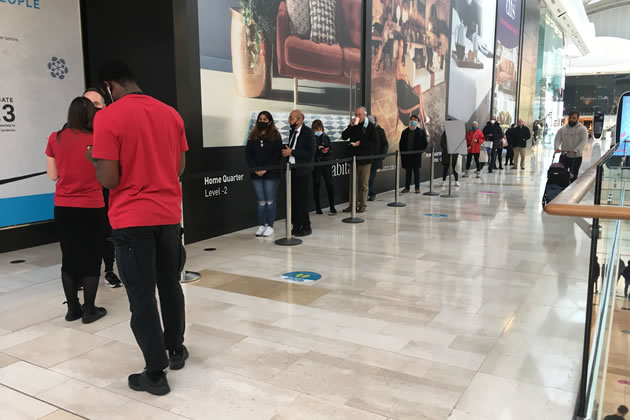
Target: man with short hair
[[494, 133], [377, 163], [620, 415], [412, 139], [111, 279], [361, 134], [300, 151], [570, 141], [520, 134], [139, 152]]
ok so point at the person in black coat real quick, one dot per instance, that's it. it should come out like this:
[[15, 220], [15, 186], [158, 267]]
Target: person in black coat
[[494, 133], [264, 149], [361, 134], [509, 155], [323, 153], [381, 149], [413, 138], [520, 135], [300, 151]]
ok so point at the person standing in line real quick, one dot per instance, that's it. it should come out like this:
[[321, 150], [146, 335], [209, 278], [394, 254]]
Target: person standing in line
[[509, 155], [361, 134], [626, 276], [520, 135], [381, 149], [264, 149], [300, 151], [619, 415], [139, 154], [448, 160], [474, 140], [79, 211], [571, 140], [111, 279], [323, 153], [595, 274], [494, 134], [412, 139]]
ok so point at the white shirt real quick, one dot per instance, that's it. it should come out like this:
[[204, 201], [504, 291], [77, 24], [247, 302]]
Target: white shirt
[[296, 133]]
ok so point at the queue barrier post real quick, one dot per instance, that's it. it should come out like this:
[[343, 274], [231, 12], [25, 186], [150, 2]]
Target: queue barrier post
[[450, 180], [353, 196], [397, 203], [432, 193], [289, 240]]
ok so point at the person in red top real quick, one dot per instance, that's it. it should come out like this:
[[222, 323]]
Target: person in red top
[[79, 210], [474, 140], [139, 153]]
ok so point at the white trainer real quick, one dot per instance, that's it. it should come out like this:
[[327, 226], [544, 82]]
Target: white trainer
[[457, 184], [261, 230], [268, 231]]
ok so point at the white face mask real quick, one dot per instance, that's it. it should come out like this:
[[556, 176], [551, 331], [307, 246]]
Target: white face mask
[[492, 121]]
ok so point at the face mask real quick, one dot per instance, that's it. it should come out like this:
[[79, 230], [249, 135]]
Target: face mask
[[293, 126], [492, 121], [413, 123], [318, 133], [262, 125], [366, 123], [572, 123], [475, 127]]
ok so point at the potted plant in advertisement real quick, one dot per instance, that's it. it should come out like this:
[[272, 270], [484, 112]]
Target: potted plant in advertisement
[[253, 30]]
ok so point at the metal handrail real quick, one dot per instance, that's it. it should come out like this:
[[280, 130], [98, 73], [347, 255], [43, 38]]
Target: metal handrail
[[567, 203]]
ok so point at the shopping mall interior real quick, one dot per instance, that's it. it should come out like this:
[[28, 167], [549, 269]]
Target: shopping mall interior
[[480, 294]]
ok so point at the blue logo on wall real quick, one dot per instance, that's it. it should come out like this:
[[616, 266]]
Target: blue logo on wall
[[58, 68], [436, 215], [301, 276]]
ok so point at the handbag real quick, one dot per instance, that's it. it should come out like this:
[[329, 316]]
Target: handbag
[[504, 142], [483, 155]]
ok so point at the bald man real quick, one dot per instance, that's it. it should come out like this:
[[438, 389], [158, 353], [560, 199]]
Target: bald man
[[300, 151]]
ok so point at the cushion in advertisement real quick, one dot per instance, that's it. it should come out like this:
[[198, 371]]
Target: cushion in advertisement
[[323, 21], [299, 18]]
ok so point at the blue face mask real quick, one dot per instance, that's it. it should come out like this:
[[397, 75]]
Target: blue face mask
[[318, 133], [413, 123], [366, 123], [475, 127]]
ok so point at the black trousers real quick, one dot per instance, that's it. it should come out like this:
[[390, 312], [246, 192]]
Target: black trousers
[[509, 155], [469, 159], [572, 164], [299, 202], [496, 154], [453, 165], [323, 172], [415, 171], [148, 257], [108, 246]]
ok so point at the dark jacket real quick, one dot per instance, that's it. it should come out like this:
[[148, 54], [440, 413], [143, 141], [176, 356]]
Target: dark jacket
[[520, 135], [494, 133], [509, 135], [304, 150], [324, 141], [269, 154], [446, 157], [419, 143], [382, 147], [367, 138]]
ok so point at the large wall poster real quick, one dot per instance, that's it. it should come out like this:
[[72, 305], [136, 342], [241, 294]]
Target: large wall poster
[[409, 64], [472, 58], [265, 54], [41, 63], [506, 61]]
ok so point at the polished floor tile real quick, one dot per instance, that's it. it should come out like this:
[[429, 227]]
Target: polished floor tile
[[17, 406], [306, 407]]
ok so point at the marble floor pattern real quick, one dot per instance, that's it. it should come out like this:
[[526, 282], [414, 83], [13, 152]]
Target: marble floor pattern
[[477, 316]]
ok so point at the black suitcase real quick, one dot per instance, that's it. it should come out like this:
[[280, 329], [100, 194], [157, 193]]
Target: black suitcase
[[558, 178]]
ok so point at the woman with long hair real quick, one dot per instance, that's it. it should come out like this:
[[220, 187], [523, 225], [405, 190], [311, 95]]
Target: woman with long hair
[[264, 149], [79, 210]]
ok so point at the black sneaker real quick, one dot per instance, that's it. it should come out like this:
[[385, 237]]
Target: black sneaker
[[142, 382], [319, 211], [333, 210], [177, 359], [93, 314], [74, 311], [304, 232], [112, 280]]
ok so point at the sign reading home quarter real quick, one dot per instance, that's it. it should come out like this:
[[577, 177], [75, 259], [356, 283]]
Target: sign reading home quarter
[[301, 276]]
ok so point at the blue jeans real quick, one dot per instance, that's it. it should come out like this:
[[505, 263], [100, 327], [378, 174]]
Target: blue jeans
[[266, 191]]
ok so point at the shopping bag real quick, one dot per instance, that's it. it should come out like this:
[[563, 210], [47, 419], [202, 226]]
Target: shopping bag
[[483, 155]]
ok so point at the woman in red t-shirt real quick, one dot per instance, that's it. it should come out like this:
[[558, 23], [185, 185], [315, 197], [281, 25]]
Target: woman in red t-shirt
[[79, 210]]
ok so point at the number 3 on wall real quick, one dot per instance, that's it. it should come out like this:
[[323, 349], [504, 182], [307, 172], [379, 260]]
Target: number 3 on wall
[[9, 113]]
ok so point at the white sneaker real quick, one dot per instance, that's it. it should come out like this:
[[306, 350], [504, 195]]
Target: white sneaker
[[260, 231], [457, 184], [268, 231], [465, 174]]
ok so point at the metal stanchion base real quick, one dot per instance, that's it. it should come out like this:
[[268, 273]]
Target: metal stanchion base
[[190, 276], [431, 193], [396, 204], [353, 220], [288, 241], [449, 196]]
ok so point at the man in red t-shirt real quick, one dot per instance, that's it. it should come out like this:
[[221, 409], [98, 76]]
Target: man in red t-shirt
[[139, 153]]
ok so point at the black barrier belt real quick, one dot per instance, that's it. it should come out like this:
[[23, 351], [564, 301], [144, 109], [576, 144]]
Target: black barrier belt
[[413, 152], [19, 178]]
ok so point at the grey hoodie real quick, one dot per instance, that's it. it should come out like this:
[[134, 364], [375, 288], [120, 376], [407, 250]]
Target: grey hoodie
[[571, 138]]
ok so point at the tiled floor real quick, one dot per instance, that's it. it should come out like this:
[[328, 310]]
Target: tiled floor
[[475, 316]]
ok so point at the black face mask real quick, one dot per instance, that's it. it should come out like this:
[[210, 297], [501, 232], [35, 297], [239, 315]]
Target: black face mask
[[262, 125], [293, 126], [572, 123]]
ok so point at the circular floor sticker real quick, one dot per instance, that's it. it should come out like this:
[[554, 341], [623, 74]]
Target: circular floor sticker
[[436, 215], [301, 276]]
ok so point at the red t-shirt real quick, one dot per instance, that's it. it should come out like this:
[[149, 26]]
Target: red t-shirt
[[147, 137], [77, 185]]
